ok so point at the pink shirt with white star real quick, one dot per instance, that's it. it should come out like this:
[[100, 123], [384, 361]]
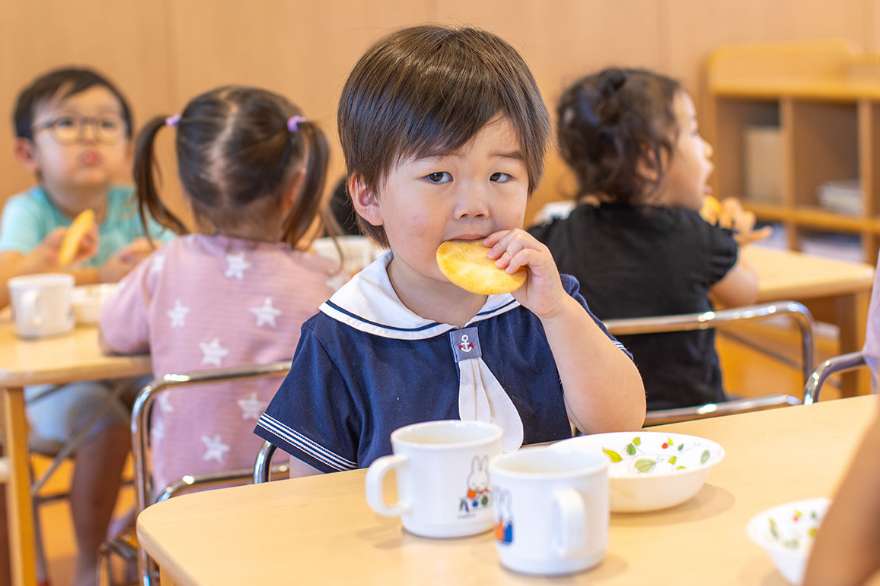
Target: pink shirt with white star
[[203, 302]]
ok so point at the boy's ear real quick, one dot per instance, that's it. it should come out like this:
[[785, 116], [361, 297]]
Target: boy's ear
[[24, 153], [364, 200]]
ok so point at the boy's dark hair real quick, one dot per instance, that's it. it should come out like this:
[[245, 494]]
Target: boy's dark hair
[[612, 122], [429, 89], [236, 155], [342, 210], [60, 84]]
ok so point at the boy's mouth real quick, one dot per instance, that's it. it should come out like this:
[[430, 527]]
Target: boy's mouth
[[90, 158], [469, 237]]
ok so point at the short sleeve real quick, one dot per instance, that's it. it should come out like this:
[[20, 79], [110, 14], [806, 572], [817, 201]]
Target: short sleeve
[[125, 324], [721, 249], [312, 416], [573, 288], [22, 227]]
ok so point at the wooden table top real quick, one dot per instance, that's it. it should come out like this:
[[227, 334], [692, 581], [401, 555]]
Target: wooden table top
[[70, 357], [320, 530], [783, 274]]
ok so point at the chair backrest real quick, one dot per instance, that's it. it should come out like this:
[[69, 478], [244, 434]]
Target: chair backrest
[[831, 366], [262, 466], [140, 418], [795, 311], [146, 398]]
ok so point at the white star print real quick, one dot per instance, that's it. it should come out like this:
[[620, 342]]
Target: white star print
[[158, 263], [236, 266], [265, 313], [165, 403], [178, 314], [215, 449], [158, 431], [251, 407], [213, 352]]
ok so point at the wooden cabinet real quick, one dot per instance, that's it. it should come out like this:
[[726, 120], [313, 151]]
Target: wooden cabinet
[[825, 100]]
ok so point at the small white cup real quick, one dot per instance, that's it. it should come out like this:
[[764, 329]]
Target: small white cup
[[551, 508], [41, 304], [442, 477]]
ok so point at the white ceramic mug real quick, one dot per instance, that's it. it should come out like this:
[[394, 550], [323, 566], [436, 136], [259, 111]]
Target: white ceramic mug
[[442, 477], [551, 509], [41, 304]]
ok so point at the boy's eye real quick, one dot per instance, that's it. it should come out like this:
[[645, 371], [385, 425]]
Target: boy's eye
[[438, 177], [65, 122], [109, 123], [500, 177]]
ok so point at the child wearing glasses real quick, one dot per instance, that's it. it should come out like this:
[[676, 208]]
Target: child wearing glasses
[[73, 130]]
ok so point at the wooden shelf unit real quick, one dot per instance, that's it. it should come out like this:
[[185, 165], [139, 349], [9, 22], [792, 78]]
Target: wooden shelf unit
[[828, 110]]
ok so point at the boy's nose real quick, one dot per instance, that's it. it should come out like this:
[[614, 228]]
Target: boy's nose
[[88, 133], [471, 203], [471, 207]]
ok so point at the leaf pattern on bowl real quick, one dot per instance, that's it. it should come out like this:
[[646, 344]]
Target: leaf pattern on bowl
[[796, 529], [645, 456]]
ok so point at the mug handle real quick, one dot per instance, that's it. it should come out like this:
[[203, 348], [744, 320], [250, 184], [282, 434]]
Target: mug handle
[[573, 521], [375, 477], [30, 301]]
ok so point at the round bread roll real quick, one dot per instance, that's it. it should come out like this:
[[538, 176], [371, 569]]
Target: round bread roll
[[466, 264], [74, 235]]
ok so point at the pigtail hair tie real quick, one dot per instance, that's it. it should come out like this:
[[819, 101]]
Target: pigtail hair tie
[[294, 121]]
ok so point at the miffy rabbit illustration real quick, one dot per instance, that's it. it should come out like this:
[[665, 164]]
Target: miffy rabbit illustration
[[503, 516], [478, 494]]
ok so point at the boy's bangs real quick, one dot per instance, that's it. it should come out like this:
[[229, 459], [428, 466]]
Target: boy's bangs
[[455, 110]]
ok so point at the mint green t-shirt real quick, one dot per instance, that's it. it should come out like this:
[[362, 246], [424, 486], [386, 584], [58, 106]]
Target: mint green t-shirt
[[30, 216]]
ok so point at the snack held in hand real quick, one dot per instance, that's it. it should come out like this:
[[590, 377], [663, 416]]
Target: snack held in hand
[[81, 226], [711, 210], [466, 264]]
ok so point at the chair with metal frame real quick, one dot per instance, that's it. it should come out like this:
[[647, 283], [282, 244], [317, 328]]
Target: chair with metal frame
[[139, 434], [797, 312], [834, 365], [58, 452]]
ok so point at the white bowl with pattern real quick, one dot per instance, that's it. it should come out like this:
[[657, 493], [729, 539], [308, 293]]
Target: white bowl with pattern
[[787, 532], [649, 471], [87, 301]]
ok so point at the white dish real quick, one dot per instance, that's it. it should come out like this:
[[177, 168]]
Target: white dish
[[786, 533], [648, 470], [88, 300]]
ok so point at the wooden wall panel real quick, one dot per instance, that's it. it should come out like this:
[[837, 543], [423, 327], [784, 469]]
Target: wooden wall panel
[[125, 39], [162, 53]]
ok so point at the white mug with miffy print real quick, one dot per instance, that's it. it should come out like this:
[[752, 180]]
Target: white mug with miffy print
[[443, 483], [551, 509]]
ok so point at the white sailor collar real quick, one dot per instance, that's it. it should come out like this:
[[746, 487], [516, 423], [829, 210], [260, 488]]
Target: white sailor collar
[[369, 303]]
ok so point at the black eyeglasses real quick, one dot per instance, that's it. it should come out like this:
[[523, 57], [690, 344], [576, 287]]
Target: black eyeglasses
[[66, 130]]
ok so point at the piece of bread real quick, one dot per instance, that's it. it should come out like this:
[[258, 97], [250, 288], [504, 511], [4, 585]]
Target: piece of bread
[[80, 226], [466, 264], [711, 210]]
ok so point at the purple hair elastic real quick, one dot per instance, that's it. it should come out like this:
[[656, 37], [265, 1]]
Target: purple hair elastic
[[293, 123], [172, 120]]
